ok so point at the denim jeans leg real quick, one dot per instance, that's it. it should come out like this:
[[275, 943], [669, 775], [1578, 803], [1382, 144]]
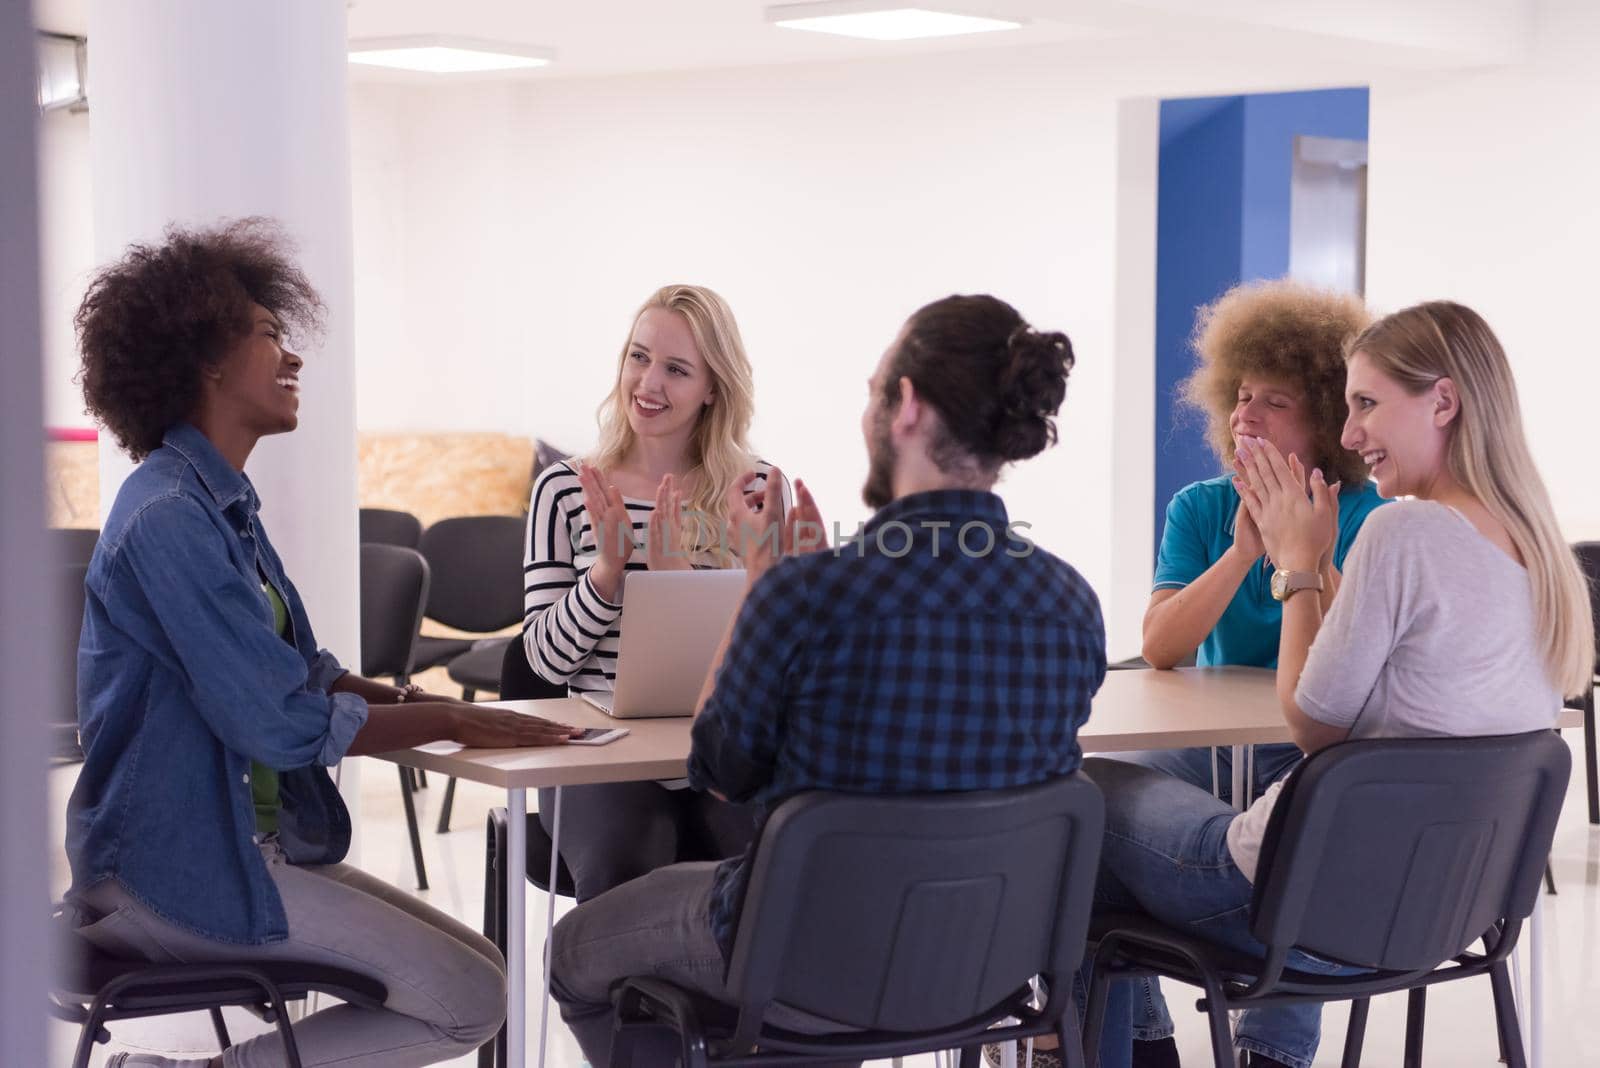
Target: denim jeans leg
[[1116, 1033], [1166, 849], [1151, 1018], [658, 924]]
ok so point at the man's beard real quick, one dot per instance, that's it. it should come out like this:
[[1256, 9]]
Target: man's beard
[[878, 490]]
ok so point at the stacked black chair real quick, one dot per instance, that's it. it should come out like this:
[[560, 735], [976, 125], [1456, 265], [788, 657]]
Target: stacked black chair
[[64, 747], [394, 588], [915, 921], [93, 989], [476, 563], [73, 545], [70, 549], [477, 583], [386, 526], [390, 526], [1394, 856]]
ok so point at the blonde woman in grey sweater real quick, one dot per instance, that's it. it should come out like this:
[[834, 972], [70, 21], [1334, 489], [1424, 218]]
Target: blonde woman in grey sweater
[[1462, 612]]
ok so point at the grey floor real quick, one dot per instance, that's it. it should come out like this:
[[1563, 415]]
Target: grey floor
[[1460, 1028]]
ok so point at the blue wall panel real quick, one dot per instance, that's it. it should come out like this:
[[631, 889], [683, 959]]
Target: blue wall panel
[[1222, 218]]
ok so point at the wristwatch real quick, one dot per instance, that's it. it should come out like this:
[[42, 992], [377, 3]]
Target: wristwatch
[[1285, 584]]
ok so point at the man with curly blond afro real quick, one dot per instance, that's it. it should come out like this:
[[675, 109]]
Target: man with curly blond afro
[[1270, 365]]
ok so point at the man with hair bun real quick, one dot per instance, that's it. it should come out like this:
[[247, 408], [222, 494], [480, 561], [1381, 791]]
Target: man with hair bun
[[808, 690]]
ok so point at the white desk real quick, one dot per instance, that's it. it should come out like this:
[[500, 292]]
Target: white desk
[[1141, 709]]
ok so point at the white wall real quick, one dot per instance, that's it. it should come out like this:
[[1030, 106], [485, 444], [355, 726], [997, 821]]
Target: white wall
[[505, 233], [66, 256], [1483, 189], [826, 204]]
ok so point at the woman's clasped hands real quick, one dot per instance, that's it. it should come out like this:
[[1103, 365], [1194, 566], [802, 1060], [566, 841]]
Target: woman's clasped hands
[[1296, 514]]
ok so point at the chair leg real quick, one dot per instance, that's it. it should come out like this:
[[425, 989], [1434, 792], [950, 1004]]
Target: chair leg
[[1221, 1029], [467, 694], [1549, 879], [411, 827], [1094, 1007], [491, 927], [1069, 1041], [422, 778], [502, 911], [220, 1027], [971, 1056], [1505, 1016], [291, 1051], [445, 805], [90, 1033], [1589, 755], [1416, 1011], [1355, 1034]]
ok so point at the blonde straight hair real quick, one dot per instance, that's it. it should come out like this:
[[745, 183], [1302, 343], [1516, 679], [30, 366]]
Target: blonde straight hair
[[1488, 455], [719, 448]]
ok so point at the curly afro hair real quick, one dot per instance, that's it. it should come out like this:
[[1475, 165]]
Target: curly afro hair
[[1287, 332], [153, 320]]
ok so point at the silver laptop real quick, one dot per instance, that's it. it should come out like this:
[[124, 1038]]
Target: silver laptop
[[672, 623]]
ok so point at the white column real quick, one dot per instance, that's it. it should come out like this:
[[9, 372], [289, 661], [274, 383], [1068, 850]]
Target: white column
[[27, 624], [1132, 455], [202, 111]]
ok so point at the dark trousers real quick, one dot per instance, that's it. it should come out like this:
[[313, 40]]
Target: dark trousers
[[612, 833]]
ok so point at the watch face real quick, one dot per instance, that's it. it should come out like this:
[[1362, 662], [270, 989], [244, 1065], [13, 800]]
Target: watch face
[[1279, 581]]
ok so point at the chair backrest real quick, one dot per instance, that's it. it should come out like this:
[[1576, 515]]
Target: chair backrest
[[73, 545], [519, 682], [1588, 553], [917, 911], [1399, 853], [477, 571], [394, 589], [386, 526], [71, 622]]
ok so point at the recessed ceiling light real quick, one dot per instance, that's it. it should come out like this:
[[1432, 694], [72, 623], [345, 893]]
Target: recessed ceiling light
[[876, 20], [447, 55]]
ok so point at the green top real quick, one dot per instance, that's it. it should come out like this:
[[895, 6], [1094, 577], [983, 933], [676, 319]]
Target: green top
[[264, 780]]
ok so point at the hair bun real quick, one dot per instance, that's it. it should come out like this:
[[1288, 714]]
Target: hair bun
[[1032, 387]]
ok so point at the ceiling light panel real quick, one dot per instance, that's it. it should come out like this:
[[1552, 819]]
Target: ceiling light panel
[[447, 55], [881, 21]]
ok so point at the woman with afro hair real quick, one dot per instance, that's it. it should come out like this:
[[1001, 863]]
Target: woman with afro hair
[[204, 825]]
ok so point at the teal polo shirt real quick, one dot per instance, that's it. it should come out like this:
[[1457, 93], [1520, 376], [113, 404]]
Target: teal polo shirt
[[1200, 529]]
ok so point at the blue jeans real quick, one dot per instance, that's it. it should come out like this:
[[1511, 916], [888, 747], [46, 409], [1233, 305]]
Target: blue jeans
[[1151, 1020], [1166, 855]]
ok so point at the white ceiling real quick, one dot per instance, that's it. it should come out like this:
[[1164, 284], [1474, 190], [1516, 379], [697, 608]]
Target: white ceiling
[[611, 37]]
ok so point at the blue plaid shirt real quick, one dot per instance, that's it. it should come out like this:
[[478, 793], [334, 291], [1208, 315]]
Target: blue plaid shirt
[[937, 651]]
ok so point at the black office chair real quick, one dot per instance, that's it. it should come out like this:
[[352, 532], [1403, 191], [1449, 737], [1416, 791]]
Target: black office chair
[[387, 526], [394, 588], [73, 545], [92, 989], [1391, 855], [915, 921], [1588, 553], [477, 587], [477, 583], [64, 745]]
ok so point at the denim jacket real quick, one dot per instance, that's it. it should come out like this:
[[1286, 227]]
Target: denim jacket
[[182, 682]]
